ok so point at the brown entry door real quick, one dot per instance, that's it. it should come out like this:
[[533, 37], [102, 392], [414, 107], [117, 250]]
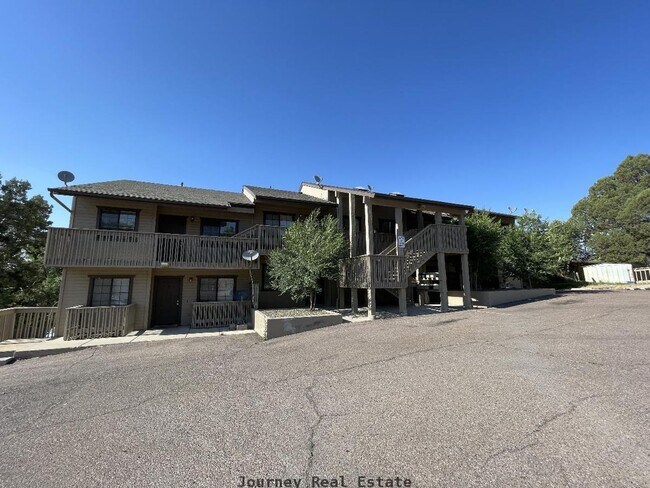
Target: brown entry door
[[167, 299]]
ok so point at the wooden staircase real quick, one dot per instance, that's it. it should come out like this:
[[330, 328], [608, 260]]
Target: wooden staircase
[[389, 271]]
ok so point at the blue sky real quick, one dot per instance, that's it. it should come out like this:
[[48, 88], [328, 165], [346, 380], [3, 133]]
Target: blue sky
[[496, 104]]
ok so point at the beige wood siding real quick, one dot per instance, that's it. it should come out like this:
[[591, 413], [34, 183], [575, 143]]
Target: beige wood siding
[[321, 193], [76, 286], [190, 290], [245, 218], [297, 209], [86, 211]]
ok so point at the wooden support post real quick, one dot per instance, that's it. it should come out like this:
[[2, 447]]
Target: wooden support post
[[442, 269], [464, 264], [399, 232], [467, 292], [59, 330], [352, 220], [339, 219], [370, 234], [339, 210], [370, 249]]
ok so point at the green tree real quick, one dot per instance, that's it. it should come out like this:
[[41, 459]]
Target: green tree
[[526, 250], [564, 240], [484, 235], [23, 224], [614, 218], [311, 251]]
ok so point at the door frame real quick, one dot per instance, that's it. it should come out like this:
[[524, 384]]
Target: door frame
[[153, 301]]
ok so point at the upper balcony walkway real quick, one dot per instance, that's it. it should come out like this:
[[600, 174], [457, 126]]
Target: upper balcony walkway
[[123, 249]]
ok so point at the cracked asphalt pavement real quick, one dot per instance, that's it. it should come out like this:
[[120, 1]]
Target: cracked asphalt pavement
[[549, 393]]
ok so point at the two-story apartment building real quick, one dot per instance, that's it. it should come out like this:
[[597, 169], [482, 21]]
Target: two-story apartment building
[[149, 255], [140, 255]]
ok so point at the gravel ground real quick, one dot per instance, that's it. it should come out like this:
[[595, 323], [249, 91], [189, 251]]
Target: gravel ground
[[549, 393], [295, 312]]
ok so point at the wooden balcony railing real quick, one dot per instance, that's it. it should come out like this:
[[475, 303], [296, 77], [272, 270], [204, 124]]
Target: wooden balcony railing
[[221, 314], [27, 323], [95, 322], [453, 239], [374, 271], [110, 248], [268, 236]]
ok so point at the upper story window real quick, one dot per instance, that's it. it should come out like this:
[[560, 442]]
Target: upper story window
[[110, 291], [118, 219], [280, 219], [218, 227]]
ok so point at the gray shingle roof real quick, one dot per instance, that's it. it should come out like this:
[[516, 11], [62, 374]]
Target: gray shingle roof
[[156, 192], [294, 196]]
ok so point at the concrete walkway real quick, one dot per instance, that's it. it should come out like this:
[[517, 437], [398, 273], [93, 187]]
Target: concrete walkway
[[29, 348]]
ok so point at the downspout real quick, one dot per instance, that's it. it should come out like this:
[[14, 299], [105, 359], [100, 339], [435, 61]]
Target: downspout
[[59, 202]]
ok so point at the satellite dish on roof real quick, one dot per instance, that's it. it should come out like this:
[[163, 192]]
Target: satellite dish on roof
[[250, 255], [66, 177], [369, 188], [318, 179]]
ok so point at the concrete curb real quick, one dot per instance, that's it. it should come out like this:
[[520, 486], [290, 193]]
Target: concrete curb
[[42, 349]]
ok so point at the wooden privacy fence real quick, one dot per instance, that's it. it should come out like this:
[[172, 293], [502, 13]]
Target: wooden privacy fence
[[221, 314], [27, 323], [642, 275], [96, 322]]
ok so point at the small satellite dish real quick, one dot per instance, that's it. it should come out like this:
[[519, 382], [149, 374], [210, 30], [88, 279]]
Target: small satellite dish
[[318, 179], [250, 255], [369, 188], [66, 177]]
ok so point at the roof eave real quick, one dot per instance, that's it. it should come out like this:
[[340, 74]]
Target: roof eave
[[72, 193]]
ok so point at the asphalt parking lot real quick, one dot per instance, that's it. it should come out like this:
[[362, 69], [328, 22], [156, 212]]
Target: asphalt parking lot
[[550, 393]]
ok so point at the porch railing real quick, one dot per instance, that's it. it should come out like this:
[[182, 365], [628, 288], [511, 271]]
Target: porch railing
[[221, 314], [27, 323], [110, 248], [96, 322], [642, 275]]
